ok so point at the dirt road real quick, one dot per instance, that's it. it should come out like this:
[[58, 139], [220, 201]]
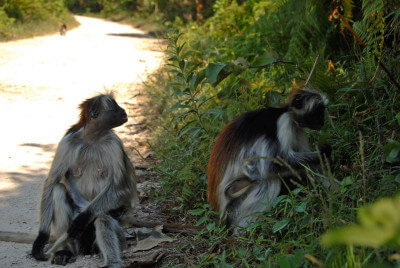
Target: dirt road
[[42, 80]]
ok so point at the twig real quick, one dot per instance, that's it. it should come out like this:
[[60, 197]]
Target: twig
[[167, 227], [273, 63], [312, 70], [26, 238]]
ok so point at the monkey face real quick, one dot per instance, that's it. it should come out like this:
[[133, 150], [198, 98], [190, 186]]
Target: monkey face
[[308, 110], [114, 115], [105, 113], [313, 119]]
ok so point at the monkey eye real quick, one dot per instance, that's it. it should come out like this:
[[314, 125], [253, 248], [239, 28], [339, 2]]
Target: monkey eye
[[94, 114], [297, 102]]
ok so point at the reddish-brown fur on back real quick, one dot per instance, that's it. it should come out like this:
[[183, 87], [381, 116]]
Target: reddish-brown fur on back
[[83, 118], [224, 147], [84, 107]]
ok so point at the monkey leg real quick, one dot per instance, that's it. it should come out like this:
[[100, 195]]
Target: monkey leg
[[62, 218], [249, 197], [110, 240]]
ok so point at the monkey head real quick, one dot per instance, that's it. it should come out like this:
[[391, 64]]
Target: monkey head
[[308, 109], [105, 110]]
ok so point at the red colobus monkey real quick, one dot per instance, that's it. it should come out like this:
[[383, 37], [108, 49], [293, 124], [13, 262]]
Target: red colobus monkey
[[242, 178], [90, 186], [63, 29]]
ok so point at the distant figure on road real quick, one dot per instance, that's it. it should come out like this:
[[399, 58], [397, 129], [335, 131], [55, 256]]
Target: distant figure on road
[[63, 29]]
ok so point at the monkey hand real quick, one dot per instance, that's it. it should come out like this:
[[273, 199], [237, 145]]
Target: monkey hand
[[79, 224], [38, 246], [325, 149]]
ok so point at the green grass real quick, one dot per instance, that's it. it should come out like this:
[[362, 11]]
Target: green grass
[[363, 117]]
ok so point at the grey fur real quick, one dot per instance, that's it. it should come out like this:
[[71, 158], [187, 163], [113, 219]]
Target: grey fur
[[102, 179]]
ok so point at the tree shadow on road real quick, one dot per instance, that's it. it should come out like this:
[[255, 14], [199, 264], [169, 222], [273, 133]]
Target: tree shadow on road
[[133, 35]]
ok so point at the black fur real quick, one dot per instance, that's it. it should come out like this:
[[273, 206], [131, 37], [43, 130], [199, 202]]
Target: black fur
[[38, 246], [79, 224], [62, 257], [94, 107], [87, 239], [251, 125]]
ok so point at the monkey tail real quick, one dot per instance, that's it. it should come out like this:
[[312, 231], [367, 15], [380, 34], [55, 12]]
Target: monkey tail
[[61, 241]]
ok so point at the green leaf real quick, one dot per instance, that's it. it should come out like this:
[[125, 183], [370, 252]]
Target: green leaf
[[296, 191], [183, 115], [349, 90], [187, 54], [278, 200], [190, 129], [379, 226], [179, 48], [272, 98], [324, 137], [174, 58], [182, 65], [284, 262], [196, 212], [392, 151], [302, 207], [204, 100], [201, 220], [178, 106], [180, 93], [212, 71], [262, 60], [398, 118], [210, 226], [199, 77], [280, 225], [397, 179]]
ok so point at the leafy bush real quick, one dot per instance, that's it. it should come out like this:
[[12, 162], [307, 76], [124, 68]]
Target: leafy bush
[[23, 18], [252, 54], [5, 23]]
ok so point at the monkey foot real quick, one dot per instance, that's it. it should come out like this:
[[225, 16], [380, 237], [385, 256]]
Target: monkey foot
[[63, 257]]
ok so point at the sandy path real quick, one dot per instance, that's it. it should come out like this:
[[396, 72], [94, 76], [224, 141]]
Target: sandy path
[[42, 80]]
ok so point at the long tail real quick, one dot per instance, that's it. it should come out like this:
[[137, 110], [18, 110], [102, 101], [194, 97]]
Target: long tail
[[61, 241]]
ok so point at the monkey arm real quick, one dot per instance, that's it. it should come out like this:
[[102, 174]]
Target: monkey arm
[[298, 159], [109, 198], [46, 211], [131, 177]]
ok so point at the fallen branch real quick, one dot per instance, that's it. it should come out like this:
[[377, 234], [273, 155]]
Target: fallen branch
[[27, 238], [16, 237]]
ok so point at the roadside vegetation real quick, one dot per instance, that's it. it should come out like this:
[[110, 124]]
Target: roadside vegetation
[[29, 18], [253, 54], [226, 57]]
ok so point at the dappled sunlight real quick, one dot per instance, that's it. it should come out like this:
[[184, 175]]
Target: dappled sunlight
[[7, 187]]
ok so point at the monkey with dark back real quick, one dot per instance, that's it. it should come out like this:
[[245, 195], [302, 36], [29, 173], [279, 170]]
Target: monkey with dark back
[[242, 176], [91, 183]]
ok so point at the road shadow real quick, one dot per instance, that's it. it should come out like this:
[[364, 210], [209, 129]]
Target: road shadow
[[133, 35], [46, 148]]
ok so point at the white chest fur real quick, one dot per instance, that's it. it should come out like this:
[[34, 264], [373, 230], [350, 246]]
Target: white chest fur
[[95, 166]]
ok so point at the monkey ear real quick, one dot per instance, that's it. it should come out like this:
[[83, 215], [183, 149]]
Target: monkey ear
[[93, 107]]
